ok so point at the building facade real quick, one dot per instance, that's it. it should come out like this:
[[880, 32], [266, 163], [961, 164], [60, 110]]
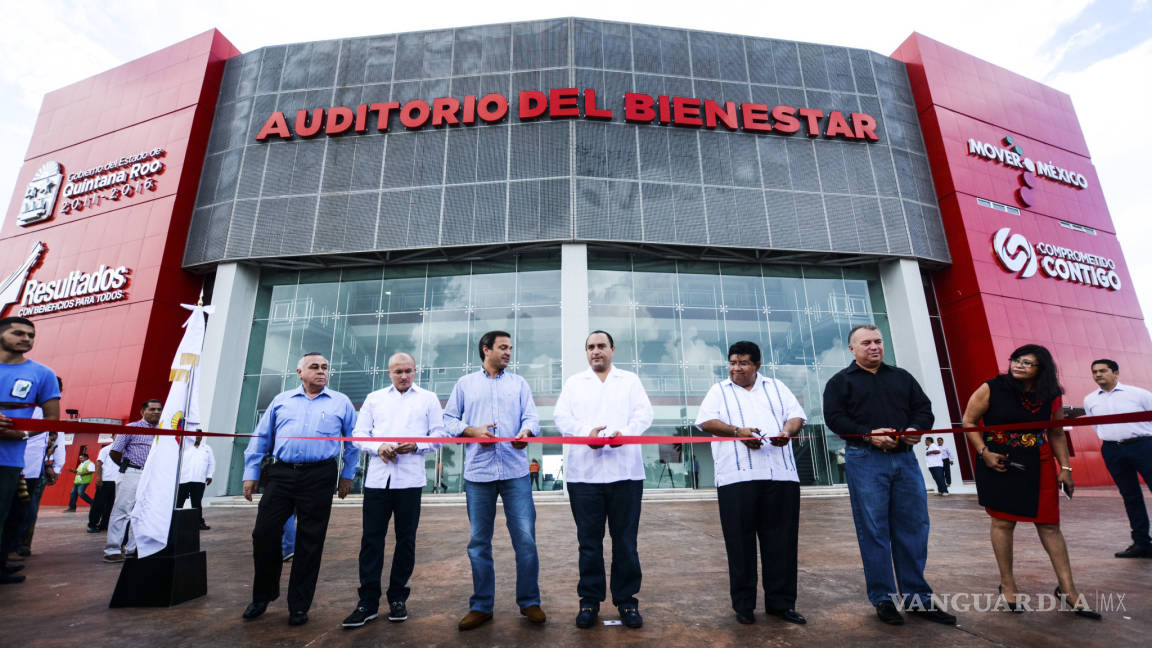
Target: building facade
[[680, 189]]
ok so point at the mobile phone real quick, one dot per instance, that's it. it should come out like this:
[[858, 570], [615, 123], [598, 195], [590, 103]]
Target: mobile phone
[[1064, 489]]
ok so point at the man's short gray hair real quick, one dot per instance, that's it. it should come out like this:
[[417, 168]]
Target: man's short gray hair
[[300, 365], [858, 327]]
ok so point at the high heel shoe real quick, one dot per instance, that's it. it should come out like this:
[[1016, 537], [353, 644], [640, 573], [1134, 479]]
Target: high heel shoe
[[1012, 607], [1087, 613]]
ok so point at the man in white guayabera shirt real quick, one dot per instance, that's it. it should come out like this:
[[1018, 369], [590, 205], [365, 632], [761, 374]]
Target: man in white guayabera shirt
[[395, 480], [605, 483], [757, 485]]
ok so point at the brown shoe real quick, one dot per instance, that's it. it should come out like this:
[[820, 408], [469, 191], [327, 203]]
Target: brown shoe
[[15, 557], [475, 619], [114, 558], [534, 614]]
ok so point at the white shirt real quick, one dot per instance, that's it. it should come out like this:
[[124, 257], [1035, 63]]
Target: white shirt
[[35, 452], [1122, 399], [934, 456], [198, 464], [390, 413], [946, 453], [109, 471], [619, 402], [767, 407]]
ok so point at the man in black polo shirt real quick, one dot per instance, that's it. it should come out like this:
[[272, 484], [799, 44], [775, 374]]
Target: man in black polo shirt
[[885, 485]]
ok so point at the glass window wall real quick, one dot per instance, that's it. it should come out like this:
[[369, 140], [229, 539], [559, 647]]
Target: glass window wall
[[673, 322], [437, 312]]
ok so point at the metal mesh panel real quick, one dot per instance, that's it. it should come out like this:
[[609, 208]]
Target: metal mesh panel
[[562, 179]]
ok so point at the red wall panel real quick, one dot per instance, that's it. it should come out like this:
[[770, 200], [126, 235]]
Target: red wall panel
[[988, 311], [113, 355]]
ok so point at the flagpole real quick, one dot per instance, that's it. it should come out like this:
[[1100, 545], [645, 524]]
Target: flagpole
[[180, 437]]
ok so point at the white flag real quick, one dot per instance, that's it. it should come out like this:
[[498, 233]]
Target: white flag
[[156, 493]]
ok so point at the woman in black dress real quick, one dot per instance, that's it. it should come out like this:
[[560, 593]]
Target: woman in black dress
[[1016, 477]]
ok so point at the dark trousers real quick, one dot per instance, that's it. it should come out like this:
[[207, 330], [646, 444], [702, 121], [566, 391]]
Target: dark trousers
[[306, 489], [535, 480], [28, 526], [195, 490], [768, 511], [618, 504], [102, 506], [1127, 462], [948, 472], [81, 491], [379, 506], [938, 477], [11, 510]]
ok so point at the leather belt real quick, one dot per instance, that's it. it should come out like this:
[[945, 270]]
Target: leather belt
[[303, 465]]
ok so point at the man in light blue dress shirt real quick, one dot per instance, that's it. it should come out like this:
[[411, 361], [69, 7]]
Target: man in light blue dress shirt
[[300, 478], [494, 403]]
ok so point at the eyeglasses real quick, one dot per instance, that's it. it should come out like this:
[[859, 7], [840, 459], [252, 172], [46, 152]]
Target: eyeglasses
[[1027, 364]]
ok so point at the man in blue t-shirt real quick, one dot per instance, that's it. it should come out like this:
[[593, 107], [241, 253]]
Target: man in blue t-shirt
[[24, 385]]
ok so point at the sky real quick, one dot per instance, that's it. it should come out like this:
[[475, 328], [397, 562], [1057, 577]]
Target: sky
[[1100, 53]]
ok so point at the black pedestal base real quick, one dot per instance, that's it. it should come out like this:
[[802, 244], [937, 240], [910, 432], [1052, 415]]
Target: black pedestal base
[[176, 574]]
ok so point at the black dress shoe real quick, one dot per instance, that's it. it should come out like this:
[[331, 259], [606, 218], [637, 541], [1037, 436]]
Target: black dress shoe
[[887, 612], [745, 617], [790, 615], [12, 569], [254, 609], [1135, 551], [935, 615], [297, 618], [631, 617], [586, 617], [205, 527]]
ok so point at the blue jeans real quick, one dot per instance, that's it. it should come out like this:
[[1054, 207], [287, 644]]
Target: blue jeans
[[1127, 462], [890, 509], [288, 539], [520, 516]]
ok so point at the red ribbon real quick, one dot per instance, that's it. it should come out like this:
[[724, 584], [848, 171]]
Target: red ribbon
[[79, 427]]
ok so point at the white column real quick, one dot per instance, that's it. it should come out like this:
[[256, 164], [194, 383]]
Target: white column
[[222, 363], [573, 314], [914, 348], [573, 307]]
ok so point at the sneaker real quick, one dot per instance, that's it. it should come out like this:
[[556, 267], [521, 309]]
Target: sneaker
[[397, 612], [113, 558], [586, 617], [631, 617], [359, 617], [1136, 551]]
